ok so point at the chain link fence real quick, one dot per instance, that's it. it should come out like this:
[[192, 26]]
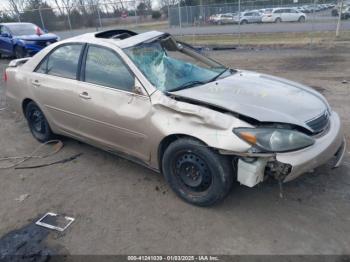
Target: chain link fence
[[193, 22]]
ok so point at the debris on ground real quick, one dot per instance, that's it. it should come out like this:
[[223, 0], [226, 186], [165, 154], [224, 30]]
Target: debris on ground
[[54, 221], [22, 197]]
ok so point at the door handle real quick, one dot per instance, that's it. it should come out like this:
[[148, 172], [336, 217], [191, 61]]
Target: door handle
[[35, 83], [85, 95]]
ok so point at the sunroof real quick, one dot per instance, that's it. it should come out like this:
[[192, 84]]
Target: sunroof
[[116, 34]]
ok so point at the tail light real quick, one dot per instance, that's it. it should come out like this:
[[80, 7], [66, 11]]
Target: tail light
[[4, 77], [38, 31]]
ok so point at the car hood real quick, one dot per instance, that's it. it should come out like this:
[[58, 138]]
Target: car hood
[[44, 37], [262, 97]]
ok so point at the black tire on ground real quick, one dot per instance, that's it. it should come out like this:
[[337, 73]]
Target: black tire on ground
[[20, 52], [196, 173], [278, 20], [301, 19], [38, 125], [243, 22]]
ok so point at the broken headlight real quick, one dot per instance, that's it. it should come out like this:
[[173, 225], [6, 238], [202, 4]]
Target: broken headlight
[[274, 139]]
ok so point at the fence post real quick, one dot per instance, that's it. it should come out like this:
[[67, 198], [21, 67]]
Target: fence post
[[313, 22], [239, 22], [135, 13], [179, 14], [69, 23], [99, 15], [339, 18], [168, 14], [41, 18]]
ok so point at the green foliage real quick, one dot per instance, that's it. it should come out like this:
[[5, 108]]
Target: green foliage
[[156, 14]]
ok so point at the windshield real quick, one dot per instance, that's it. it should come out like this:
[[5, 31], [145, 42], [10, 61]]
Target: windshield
[[170, 66], [24, 29]]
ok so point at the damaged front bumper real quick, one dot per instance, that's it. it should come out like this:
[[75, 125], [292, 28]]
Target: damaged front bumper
[[331, 145], [253, 168]]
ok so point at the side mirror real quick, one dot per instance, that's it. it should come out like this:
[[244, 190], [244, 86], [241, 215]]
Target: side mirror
[[5, 35], [138, 87]]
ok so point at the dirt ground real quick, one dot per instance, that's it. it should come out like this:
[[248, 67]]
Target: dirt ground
[[123, 208]]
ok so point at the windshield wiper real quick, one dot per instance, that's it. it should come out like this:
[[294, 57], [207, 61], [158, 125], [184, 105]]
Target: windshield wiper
[[188, 85], [218, 75]]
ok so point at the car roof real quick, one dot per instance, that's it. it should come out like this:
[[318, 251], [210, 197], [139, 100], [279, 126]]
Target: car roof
[[121, 43]]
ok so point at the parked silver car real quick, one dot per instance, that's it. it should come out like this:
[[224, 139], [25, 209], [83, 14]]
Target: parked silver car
[[247, 17], [158, 102]]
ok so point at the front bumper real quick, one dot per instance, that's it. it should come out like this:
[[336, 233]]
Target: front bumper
[[324, 149]]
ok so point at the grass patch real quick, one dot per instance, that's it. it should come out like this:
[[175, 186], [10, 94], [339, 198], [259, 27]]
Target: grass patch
[[266, 39]]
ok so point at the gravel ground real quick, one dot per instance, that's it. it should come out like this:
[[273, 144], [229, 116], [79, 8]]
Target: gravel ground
[[123, 208]]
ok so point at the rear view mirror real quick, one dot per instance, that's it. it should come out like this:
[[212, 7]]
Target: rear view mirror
[[169, 44]]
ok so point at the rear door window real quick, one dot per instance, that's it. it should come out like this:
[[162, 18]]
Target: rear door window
[[63, 61]]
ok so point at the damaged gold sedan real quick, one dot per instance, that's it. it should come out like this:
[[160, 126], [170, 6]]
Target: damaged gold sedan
[[161, 103]]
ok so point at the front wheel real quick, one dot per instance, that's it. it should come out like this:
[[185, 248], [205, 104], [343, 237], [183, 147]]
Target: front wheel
[[301, 19], [38, 125], [278, 20], [244, 22], [196, 173]]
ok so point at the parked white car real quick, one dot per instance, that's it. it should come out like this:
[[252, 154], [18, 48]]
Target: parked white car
[[247, 17], [278, 15], [221, 19]]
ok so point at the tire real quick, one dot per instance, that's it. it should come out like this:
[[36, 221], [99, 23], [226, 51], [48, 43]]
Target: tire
[[244, 22], [196, 173], [38, 125], [278, 20], [20, 52], [301, 19]]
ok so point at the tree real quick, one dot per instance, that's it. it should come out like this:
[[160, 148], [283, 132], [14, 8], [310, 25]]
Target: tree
[[141, 9], [156, 14]]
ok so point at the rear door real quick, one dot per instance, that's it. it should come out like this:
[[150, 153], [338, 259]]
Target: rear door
[[294, 14], [286, 15], [55, 86], [113, 112]]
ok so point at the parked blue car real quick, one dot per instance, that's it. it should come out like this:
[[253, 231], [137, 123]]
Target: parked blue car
[[23, 39]]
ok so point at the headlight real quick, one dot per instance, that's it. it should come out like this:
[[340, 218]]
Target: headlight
[[274, 139]]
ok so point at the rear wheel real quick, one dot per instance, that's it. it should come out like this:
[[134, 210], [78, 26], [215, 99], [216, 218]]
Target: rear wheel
[[243, 22], [38, 125], [278, 20], [20, 52], [197, 173], [301, 19]]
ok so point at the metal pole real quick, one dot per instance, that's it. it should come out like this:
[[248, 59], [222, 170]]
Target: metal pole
[[41, 18], [239, 22], [168, 14], [99, 15], [69, 23], [179, 14], [339, 19], [313, 22], [135, 13]]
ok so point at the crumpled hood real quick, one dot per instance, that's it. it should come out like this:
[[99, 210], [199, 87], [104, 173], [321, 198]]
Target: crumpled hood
[[43, 37], [262, 97]]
